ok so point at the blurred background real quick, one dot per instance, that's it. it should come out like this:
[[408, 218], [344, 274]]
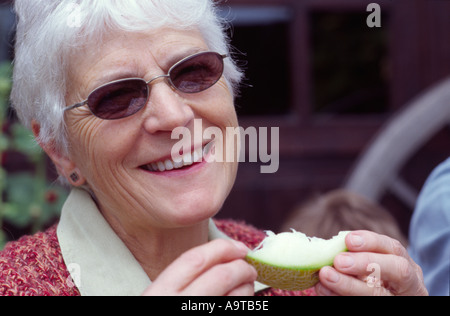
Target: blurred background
[[30, 199], [315, 69]]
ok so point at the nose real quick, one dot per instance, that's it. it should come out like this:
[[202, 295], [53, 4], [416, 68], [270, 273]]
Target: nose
[[166, 109]]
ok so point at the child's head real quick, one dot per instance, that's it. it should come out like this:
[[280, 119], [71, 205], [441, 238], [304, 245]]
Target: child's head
[[326, 215]]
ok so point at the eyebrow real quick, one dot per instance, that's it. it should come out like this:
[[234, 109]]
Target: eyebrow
[[113, 76], [122, 74], [180, 56]]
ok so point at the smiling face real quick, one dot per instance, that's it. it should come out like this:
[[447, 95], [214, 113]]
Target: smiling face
[[116, 157]]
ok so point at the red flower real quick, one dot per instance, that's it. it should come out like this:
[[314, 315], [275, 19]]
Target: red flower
[[51, 196]]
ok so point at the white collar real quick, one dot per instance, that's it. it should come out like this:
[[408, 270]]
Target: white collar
[[98, 261]]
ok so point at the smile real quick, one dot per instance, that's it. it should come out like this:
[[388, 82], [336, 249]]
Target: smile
[[183, 161]]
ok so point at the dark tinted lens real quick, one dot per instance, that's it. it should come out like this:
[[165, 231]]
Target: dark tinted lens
[[119, 99], [197, 73]]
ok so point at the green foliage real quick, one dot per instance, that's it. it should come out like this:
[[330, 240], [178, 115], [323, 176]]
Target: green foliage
[[27, 199]]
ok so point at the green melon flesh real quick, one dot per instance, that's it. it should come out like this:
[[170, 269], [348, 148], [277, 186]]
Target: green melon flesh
[[292, 261]]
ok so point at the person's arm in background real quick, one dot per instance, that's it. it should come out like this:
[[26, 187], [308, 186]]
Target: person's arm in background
[[430, 232]]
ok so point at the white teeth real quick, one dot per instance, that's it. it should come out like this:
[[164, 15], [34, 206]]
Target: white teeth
[[161, 166], [187, 160], [168, 164], [197, 155], [207, 148], [178, 165]]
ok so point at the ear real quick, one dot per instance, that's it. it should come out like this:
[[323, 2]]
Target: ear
[[64, 165]]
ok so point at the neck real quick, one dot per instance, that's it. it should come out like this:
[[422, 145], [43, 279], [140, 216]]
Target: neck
[[155, 249]]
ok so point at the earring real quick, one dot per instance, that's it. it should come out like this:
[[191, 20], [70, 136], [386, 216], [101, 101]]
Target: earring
[[74, 177]]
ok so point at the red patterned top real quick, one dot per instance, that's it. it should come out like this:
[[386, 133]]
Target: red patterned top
[[34, 266]]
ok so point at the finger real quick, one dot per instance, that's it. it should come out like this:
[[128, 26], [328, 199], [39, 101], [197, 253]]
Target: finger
[[322, 290], [364, 263], [196, 261], [399, 274], [244, 290], [345, 285], [365, 241], [222, 279]]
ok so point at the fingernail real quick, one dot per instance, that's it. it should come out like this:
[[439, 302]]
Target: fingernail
[[241, 246], [356, 241], [331, 275], [345, 261], [322, 290]]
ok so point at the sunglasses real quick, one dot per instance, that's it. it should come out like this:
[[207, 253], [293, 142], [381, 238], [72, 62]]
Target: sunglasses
[[123, 98]]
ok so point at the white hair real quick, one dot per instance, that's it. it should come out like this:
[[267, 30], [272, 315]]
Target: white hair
[[50, 31]]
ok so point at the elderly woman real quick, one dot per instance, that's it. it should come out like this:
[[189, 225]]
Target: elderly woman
[[102, 85]]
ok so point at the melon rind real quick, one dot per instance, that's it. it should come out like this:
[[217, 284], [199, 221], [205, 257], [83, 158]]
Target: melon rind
[[292, 277], [284, 278]]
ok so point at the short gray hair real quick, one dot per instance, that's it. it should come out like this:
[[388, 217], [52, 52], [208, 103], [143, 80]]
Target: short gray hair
[[49, 31]]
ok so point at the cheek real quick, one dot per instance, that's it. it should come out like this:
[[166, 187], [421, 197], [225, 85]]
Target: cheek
[[97, 148], [226, 109], [82, 135], [216, 105]]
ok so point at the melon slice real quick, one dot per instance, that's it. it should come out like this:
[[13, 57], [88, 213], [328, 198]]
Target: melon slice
[[292, 261]]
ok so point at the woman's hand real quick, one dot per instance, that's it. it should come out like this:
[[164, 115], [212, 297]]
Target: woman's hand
[[370, 257], [214, 269]]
